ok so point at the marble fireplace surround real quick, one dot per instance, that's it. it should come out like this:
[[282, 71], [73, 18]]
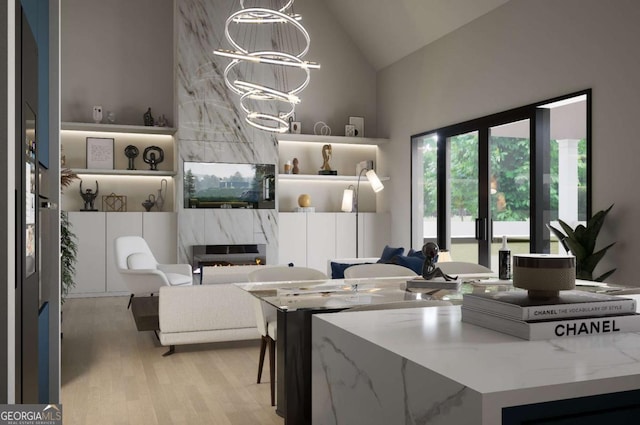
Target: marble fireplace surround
[[210, 129]]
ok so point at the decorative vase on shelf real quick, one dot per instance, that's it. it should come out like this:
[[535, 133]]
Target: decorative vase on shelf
[[304, 200], [97, 114], [161, 194], [149, 203]]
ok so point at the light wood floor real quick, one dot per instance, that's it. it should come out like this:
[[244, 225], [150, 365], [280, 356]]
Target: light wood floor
[[113, 374]]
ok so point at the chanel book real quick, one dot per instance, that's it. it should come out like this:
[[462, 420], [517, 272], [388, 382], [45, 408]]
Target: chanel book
[[517, 305], [549, 329]]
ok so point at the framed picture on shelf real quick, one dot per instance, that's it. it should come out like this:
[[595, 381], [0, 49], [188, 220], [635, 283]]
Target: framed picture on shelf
[[358, 123], [99, 153]]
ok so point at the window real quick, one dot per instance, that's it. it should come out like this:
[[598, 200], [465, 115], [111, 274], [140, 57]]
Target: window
[[507, 174]]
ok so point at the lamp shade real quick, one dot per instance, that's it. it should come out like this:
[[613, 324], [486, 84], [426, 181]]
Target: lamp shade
[[376, 184], [347, 200]]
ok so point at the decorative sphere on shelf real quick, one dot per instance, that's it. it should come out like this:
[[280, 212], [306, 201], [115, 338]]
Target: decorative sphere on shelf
[[304, 200]]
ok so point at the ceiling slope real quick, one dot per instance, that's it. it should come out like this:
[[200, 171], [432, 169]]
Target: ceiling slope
[[388, 30]]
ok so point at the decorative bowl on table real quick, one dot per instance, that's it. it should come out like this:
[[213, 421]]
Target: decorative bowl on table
[[544, 275]]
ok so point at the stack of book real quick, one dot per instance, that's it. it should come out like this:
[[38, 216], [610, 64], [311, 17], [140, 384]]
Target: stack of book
[[435, 283], [572, 313]]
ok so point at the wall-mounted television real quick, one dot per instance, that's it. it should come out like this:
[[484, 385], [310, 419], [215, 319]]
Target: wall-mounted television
[[229, 185]]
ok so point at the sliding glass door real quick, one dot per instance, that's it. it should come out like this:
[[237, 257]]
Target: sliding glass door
[[463, 197], [509, 174], [510, 187]]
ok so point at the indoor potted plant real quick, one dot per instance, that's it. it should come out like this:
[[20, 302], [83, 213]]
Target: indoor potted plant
[[581, 242], [68, 243]]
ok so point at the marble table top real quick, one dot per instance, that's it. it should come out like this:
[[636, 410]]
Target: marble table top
[[491, 362]]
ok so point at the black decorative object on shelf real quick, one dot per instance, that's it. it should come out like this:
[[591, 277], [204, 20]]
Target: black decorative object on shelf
[[148, 118], [131, 152], [89, 197], [149, 202], [429, 269], [149, 156]]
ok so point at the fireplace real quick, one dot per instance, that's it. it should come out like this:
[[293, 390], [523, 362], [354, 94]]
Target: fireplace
[[229, 255]]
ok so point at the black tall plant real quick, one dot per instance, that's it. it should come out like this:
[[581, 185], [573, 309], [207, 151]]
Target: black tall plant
[[68, 254], [581, 242], [68, 243]]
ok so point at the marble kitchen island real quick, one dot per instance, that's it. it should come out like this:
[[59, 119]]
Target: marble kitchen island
[[424, 366]]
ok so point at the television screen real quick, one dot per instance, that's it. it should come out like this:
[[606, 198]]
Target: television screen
[[227, 185]]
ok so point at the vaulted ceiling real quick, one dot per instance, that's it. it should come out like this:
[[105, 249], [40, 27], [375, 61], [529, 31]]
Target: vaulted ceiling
[[388, 30]]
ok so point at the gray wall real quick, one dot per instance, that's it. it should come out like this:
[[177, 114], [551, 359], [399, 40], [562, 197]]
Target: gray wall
[[118, 54], [345, 85], [520, 53]]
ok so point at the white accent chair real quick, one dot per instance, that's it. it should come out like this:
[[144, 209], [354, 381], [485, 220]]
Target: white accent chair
[[141, 271], [266, 314], [461, 267], [378, 270]]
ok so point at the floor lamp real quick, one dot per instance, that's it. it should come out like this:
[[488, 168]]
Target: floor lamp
[[350, 197]]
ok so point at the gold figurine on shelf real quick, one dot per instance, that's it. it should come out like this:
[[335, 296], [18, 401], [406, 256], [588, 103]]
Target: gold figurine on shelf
[[326, 156]]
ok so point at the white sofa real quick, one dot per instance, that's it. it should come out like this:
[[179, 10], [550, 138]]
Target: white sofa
[[205, 313]]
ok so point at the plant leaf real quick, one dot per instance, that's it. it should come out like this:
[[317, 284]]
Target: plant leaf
[[581, 237], [561, 237], [577, 250], [594, 225], [605, 275], [592, 260], [567, 229], [556, 232]]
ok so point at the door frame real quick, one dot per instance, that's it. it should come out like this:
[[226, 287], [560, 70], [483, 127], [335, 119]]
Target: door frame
[[539, 119]]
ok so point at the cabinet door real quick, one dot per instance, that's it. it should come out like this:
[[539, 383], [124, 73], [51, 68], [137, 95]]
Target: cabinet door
[[292, 231], [375, 233], [159, 230], [89, 228], [321, 239], [119, 224], [345, 235]]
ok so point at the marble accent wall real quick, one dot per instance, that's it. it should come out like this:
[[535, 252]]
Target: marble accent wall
[[211, 128]]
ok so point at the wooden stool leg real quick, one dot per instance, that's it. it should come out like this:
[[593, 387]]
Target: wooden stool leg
[[272, 369], [263, 346]]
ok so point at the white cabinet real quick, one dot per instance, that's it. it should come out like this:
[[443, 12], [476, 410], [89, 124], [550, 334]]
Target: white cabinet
[[292, 239], [312, 239], [374, 233], [119, 224], [160, 231], [345, 235], [89, 228], [321, 239], [96, 273]]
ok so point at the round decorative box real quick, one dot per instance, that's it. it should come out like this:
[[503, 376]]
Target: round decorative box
[[544, 275]]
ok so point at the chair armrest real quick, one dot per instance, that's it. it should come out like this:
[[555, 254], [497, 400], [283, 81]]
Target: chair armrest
[[184, 269]]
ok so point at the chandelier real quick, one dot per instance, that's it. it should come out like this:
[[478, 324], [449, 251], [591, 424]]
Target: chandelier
[[266, 69]]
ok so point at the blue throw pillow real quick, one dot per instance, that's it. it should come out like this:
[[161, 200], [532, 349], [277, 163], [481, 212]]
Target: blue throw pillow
[[417, 254], [337, 270], [389, 252], [413, 263]]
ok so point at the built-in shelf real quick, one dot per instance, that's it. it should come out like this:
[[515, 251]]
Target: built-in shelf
[[123, 172], [300, 177], [117, 128], [287, 137]]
